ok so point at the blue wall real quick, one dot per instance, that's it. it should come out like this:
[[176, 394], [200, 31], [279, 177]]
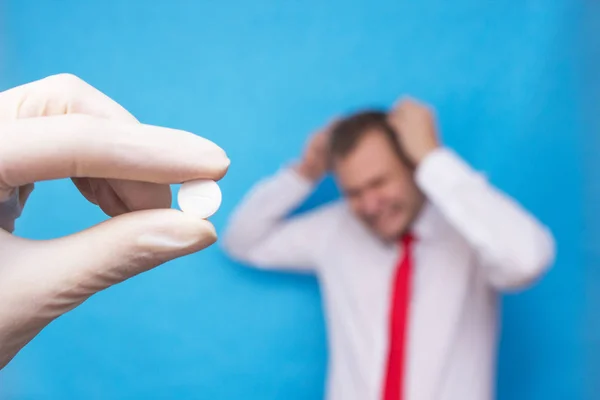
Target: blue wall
[[254, 76], [590, 88]]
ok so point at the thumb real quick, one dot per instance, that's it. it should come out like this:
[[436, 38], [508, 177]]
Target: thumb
[[60, 274], [41, 280], [125, 246]]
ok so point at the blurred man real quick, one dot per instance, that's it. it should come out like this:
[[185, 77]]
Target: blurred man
[[411, 260]]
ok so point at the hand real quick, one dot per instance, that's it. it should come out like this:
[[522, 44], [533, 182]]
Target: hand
[[61, 127], [415, 126], [315, 160]]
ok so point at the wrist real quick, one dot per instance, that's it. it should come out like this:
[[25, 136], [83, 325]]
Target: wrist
[[308, 173], [423, 155]]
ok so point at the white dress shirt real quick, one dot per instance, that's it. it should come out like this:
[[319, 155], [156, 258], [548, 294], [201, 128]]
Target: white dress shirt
[[472, 243], [10, 210]]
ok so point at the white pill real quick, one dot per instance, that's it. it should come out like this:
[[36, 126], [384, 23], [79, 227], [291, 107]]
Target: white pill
[[201, 197]]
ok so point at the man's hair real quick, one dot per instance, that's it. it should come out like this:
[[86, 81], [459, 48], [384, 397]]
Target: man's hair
[[348, 132]]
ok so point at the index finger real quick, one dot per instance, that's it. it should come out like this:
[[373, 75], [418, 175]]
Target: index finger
[[37, 149], [67, 94]]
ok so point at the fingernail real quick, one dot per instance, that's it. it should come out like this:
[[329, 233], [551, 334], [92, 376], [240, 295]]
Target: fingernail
[[192, 235], [226, 162], [211, 147], [217, 155]]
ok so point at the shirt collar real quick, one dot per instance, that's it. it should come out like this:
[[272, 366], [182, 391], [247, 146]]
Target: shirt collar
[[424, 226]]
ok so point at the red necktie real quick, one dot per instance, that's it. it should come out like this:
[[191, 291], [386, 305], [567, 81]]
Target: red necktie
[[394, 378]]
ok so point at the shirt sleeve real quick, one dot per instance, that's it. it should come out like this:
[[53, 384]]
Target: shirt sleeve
[[514, 248], [10, 210], [260, 232]]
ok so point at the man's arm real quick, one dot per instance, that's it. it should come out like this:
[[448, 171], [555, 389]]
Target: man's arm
[[514, 248], [259, 231], [261, 234]]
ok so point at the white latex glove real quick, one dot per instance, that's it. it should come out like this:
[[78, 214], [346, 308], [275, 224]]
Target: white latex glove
[[61, 127]]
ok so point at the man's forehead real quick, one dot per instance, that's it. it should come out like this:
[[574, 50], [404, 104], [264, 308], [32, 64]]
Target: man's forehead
[[373, 151], [357, 174]]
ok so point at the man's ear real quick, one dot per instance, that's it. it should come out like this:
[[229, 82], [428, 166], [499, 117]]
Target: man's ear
[[399, 149]]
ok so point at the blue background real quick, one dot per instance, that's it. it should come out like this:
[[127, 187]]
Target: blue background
[[257, 77]]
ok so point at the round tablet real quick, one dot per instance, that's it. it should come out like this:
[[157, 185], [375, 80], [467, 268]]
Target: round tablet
[[201, 197]]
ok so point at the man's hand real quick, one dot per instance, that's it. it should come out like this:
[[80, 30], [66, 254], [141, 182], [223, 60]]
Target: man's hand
[[61, 127], [416, 128], [314, 163]]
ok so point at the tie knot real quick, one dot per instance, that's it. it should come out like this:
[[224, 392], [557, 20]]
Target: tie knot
[[407, 239]]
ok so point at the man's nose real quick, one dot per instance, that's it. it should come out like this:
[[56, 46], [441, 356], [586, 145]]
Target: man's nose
[[370, 203]]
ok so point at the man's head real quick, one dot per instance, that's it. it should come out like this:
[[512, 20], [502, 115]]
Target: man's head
[[374, 173]]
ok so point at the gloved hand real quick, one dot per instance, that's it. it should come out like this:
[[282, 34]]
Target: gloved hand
[[61, 127]]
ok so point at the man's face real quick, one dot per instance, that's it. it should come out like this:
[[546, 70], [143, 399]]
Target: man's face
[[379, 187]]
